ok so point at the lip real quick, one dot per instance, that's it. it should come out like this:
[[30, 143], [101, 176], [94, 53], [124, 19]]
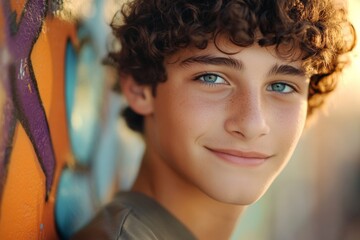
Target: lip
[[240, 157]]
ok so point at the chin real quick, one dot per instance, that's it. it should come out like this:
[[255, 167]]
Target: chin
[[243, 197]]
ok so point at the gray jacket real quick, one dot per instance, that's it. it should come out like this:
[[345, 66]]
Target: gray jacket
[[134, 216]]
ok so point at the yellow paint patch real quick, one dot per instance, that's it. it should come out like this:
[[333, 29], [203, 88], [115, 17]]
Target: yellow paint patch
[[74, 10], [24, 192], [42, 63], [29, 87]]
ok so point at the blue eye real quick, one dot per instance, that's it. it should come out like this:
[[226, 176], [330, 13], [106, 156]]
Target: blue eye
[[280, 87], [211, 79]]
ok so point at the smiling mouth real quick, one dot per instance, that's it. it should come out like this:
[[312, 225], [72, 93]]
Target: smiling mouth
[[239, 157]]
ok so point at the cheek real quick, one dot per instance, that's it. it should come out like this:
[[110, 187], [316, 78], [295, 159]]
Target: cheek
[[184, 117], [290, 124], [195, 114]]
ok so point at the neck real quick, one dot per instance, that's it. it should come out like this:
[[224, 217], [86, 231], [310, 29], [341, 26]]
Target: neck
[[205, 217]]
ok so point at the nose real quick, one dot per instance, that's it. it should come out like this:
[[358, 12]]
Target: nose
[[247, 116]]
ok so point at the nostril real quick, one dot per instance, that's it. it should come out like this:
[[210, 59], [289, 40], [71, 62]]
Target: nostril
[[239, 133]]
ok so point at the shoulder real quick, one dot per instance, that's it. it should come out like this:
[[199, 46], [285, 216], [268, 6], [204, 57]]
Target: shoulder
[[133, 216], [120, 219]]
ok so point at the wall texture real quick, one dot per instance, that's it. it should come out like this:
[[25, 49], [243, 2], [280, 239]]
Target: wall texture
[[59, 118]]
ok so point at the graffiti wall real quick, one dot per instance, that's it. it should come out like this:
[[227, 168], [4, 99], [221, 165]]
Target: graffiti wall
[[59, 118]]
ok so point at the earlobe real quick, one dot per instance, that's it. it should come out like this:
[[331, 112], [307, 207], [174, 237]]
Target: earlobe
[[139, 97]]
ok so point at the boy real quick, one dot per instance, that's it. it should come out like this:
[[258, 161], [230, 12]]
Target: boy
[[220, 91]]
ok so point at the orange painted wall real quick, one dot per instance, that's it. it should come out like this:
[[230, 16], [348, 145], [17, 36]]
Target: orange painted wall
[[25, 211]]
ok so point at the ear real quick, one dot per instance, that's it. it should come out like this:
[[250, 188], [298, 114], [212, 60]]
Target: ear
[[139, 97]]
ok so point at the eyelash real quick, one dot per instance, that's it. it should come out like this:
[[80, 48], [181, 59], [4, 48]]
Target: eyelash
[[293, 88], [198, 78]]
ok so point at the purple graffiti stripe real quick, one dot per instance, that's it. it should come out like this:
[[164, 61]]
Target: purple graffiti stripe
[[24, 90]]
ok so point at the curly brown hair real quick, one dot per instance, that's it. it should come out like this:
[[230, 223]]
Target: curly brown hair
[[154, 29]]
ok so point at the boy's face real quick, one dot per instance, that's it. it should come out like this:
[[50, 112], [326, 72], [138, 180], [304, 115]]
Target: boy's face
[[228, 124]]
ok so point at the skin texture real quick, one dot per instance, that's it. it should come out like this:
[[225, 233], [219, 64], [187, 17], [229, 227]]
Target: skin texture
[[215, 147]]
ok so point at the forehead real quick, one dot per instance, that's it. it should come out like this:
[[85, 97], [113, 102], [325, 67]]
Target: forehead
[[236, 55]]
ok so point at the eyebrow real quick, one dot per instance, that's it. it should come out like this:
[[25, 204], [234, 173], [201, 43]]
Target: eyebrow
[[286, 70], [236, 64], [212, 60]]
